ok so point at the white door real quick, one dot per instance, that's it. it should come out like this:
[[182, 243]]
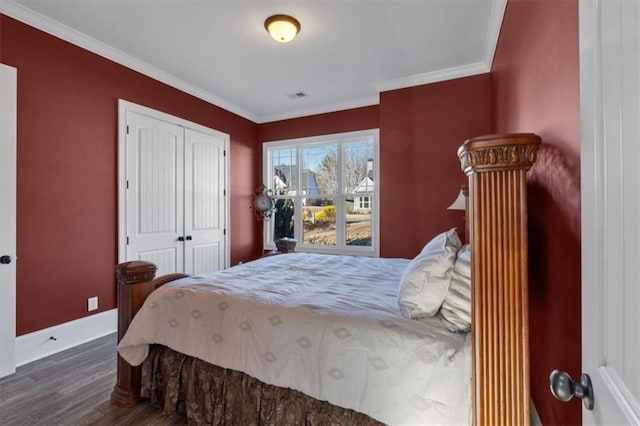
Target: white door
[[610, 126], [204, 202], [173, 173], [8, 117], [154, 192]]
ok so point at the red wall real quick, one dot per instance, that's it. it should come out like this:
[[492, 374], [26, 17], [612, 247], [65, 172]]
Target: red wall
[[535, 78], [321, 124], [67, 165], [420, 130]]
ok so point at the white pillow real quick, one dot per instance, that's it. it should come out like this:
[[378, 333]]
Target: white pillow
[[456, 308], [463, 261], [425, 282]]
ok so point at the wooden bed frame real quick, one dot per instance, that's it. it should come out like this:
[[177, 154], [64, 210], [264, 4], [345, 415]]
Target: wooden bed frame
[[497, 220]]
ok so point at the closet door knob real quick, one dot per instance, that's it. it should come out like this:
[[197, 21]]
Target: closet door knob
[[5, 260], [180, 238], [188, 237]]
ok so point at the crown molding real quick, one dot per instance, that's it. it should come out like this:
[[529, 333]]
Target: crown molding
[[433, 77], [481, 67], [321, 109], [495, 24], [55, 28]]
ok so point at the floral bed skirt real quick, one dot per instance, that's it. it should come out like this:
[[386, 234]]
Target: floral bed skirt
[[212, 395]]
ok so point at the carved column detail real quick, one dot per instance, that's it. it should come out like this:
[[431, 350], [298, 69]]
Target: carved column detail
[[497, 167], [135, 281]]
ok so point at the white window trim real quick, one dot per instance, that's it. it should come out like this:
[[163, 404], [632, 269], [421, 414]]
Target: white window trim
[[374, 250]]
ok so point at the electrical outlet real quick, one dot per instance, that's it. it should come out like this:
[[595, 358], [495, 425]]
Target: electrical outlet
[[92, 303]]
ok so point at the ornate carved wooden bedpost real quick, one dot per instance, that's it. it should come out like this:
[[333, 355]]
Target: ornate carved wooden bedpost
[[135, 281], [497, 167]]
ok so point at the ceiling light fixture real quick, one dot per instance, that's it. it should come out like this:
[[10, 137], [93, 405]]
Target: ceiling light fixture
[[283, 28]]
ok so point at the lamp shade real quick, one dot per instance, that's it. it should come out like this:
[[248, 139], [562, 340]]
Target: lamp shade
[[460, 203], [282, 28]]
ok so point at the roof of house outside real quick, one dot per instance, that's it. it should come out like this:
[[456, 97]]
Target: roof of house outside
[[366, 185], [288, 177]]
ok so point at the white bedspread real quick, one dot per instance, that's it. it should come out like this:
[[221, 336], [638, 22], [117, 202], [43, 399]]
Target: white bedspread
[[336, 335]]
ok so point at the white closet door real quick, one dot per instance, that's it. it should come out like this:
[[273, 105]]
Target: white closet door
[[155, 181], [8, 188], [204, 202]]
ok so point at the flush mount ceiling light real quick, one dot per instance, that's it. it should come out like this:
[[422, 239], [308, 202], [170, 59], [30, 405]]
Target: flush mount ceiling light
[[283, 28]]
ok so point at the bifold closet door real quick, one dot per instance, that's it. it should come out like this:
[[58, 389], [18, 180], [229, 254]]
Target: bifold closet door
[[155, 192], [204, 198]]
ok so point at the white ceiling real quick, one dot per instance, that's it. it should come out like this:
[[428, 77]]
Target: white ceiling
[[346, 53]]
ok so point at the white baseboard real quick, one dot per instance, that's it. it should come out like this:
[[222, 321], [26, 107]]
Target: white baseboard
[[33, 346]]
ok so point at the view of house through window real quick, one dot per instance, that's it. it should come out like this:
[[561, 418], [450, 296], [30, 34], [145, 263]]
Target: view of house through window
[[325, 191]]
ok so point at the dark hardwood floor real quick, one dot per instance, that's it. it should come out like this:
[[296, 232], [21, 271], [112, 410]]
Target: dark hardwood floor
[[73, 388]]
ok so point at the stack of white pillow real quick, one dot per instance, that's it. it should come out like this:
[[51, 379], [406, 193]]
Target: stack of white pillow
[[438, 282]]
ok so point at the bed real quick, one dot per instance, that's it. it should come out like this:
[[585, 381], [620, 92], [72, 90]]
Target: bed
[[378, 363]]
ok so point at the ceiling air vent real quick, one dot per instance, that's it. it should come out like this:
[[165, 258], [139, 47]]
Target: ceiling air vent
[[297, 95]]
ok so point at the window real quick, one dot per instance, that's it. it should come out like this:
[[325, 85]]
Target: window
[[326, 192], [363, 203]]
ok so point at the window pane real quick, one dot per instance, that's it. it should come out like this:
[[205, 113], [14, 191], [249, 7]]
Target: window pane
[[358, 221], [285, 171], [283, 219], [319, 170], [321, 176], [319, 222], [358, 166]]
